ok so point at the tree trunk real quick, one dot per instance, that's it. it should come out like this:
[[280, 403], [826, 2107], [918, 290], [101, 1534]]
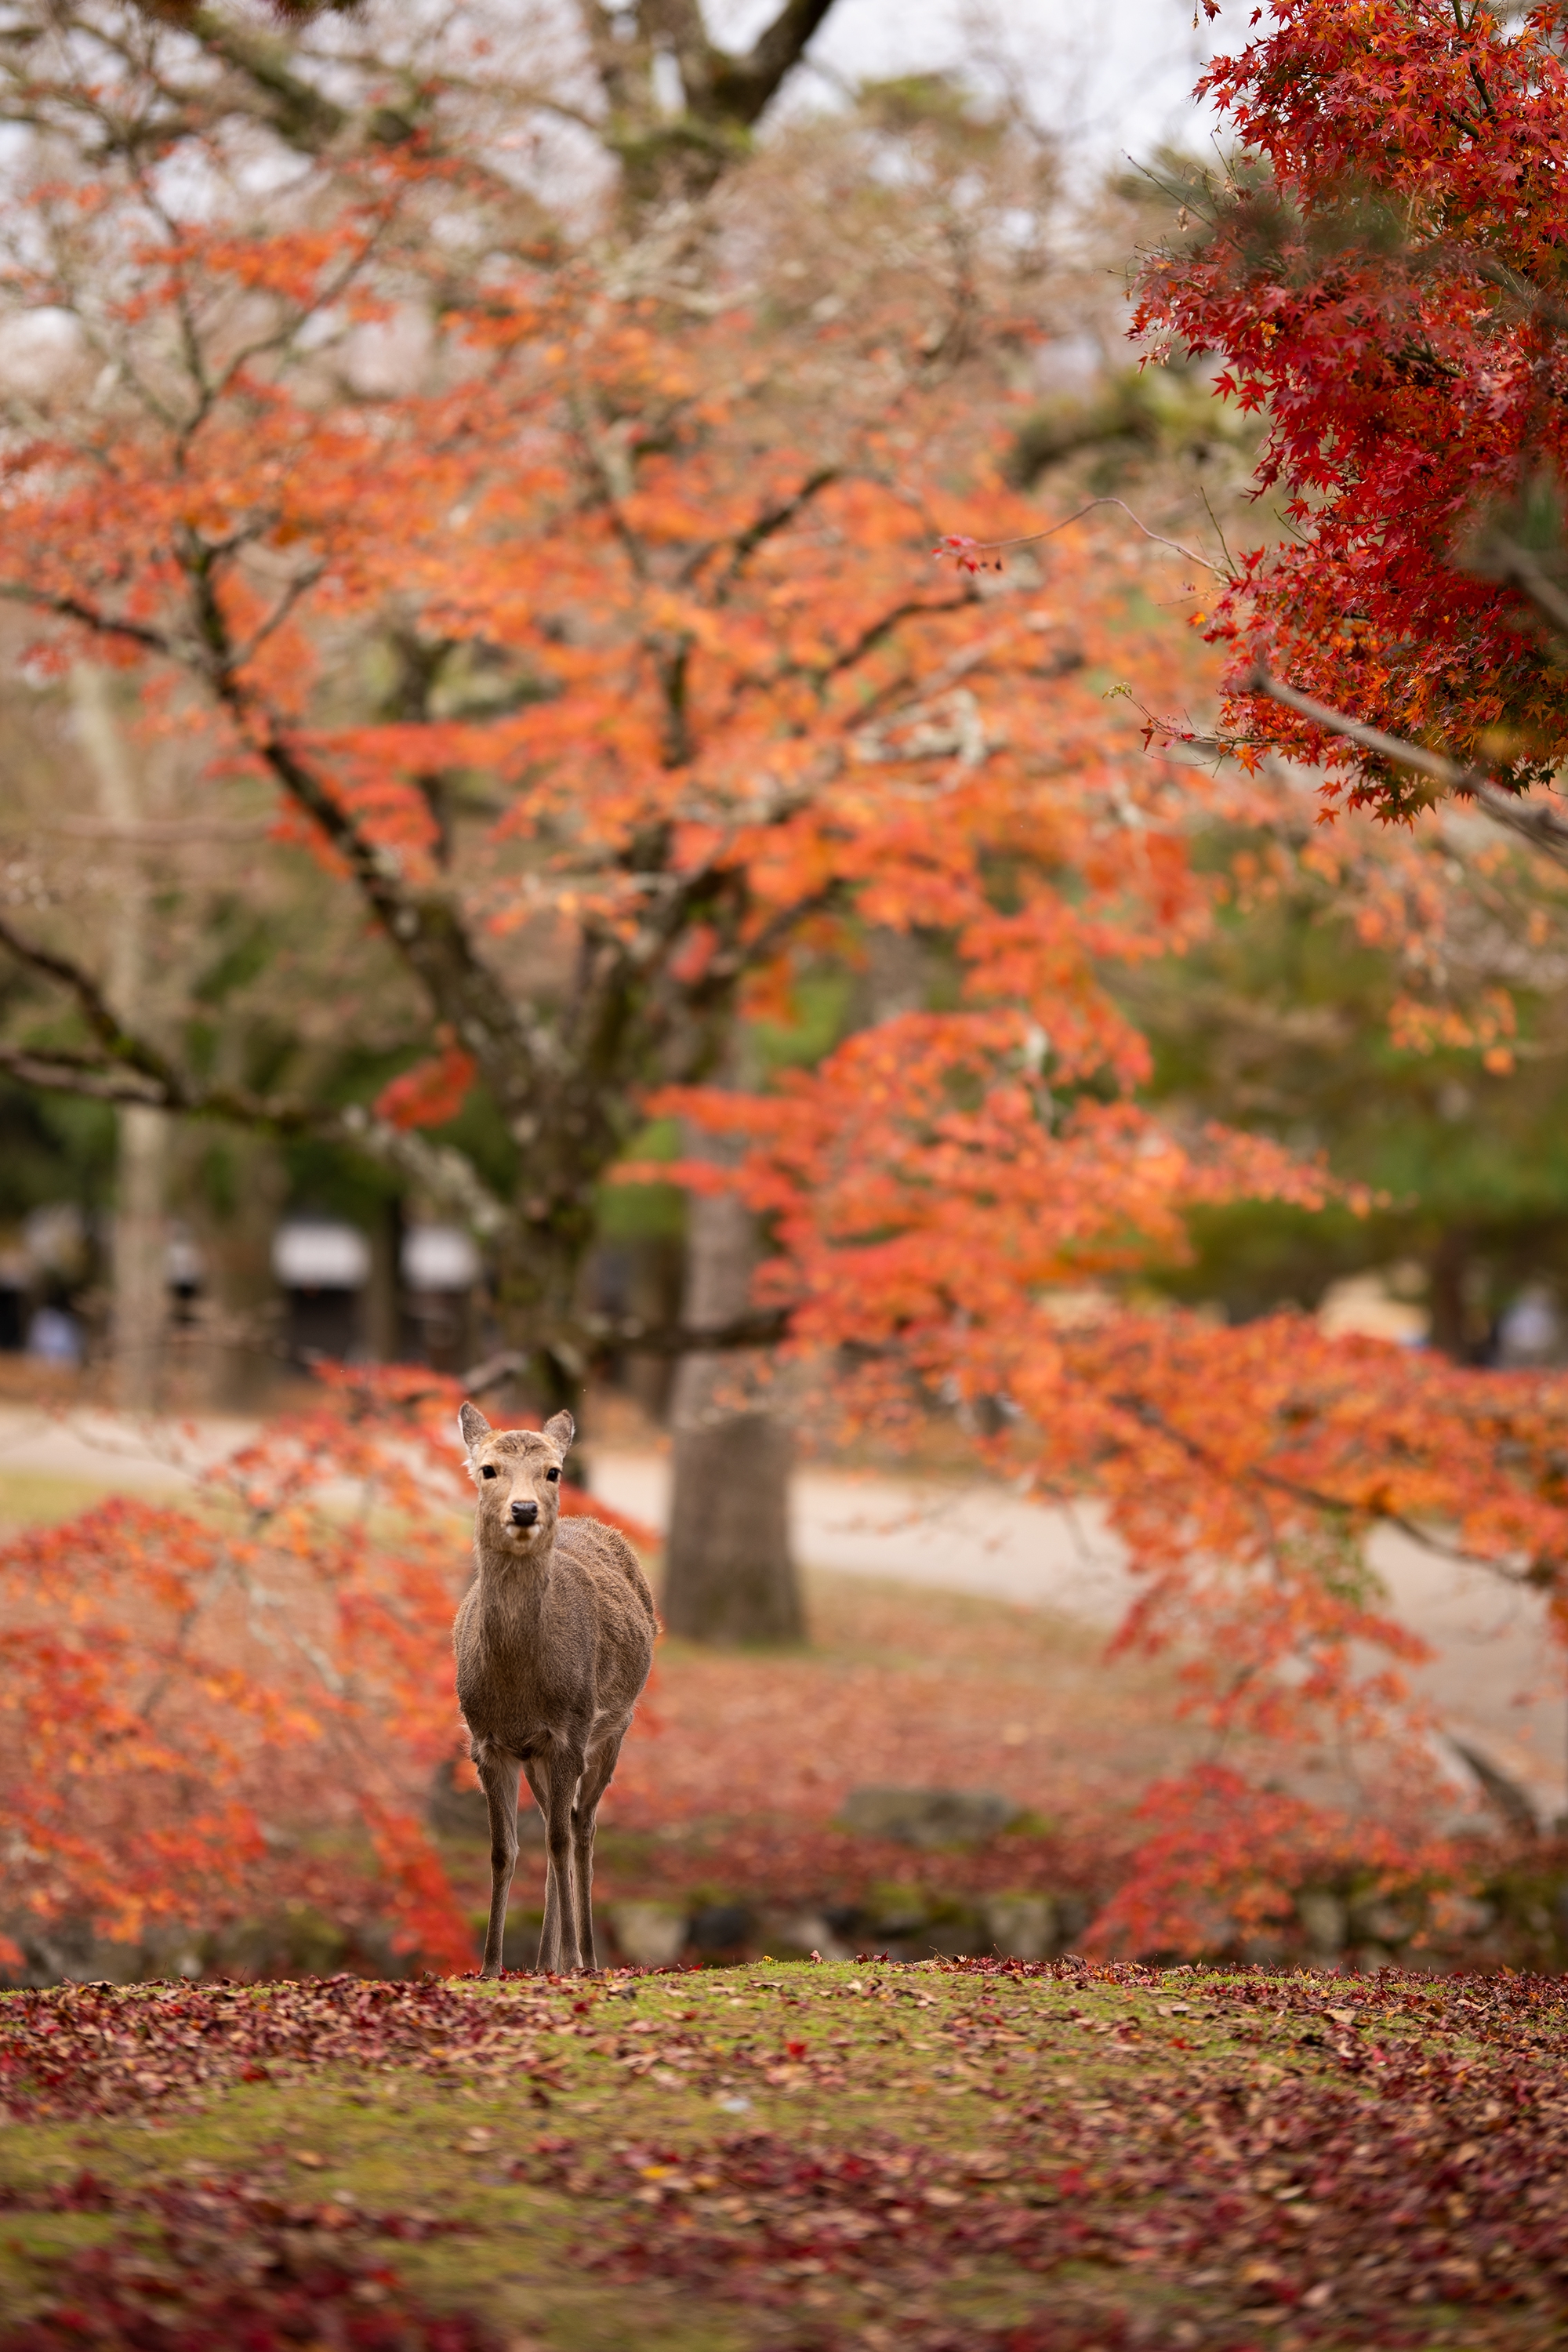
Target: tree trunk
[[730, 1576], [141, 1236], [1459, 1325], [140, 1249]]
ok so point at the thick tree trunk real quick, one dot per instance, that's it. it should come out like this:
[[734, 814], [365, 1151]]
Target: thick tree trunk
[[140, 1300], [730, 1576], [1459, 1324]]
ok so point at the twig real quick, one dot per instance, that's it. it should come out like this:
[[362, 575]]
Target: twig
[[963, 550]]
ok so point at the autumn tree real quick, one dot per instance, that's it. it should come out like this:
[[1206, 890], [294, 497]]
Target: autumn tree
[[1378, 274], [642, 99], [553, 623], [1377, 277]]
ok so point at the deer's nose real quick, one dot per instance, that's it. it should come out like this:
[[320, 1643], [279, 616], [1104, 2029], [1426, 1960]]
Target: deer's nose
[[525, 1514]]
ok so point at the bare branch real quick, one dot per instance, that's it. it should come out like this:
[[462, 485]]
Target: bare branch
[[962, 549], [872, 636], [130, 1069], [602, 1334], [103, 624], [60, 1072], [301, 585], [764, 527], [1534, 820], [743, 88], [133, 1054], [302, 116]]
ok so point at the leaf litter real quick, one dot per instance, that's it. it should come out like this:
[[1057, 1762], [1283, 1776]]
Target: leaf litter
[[1276, 2161]]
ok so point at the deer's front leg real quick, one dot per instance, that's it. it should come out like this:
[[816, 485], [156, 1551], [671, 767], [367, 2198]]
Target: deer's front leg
[[601, 1765], [554, 1780], [497, 1773]]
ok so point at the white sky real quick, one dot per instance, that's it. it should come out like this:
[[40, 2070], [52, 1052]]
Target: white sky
[[1113, 76]]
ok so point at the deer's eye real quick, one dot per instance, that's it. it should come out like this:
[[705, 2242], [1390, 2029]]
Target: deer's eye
[[552, 1476], [488, 1471]]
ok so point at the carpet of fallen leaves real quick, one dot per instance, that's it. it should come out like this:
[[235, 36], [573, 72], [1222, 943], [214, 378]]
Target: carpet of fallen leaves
[[985, 2154], [226, 2266], [1019, 1700]]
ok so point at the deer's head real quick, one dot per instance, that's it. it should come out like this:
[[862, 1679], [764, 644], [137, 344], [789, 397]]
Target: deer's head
[[517, 1476]]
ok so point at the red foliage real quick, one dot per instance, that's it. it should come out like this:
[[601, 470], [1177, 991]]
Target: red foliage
[[433, 1092], [1244, 1468], [1385, 284], [95, 2049], [235, 1682]]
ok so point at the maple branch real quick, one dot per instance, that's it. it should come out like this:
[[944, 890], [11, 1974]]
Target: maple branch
[[1150, 1417], [1531, 819], [875, 631], [745, 86], [1523, 570], [423, 927], [131, 1052], [1493, 272], [721, 88], [961, 549], [303, 117], [103, 624], [602, 1334], [1442, 770], [130, 1070], [445, 1173], [55, 1069], [764, 527], [301, 585]]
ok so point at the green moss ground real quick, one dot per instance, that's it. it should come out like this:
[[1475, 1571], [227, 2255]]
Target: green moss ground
[[1193, 2159]]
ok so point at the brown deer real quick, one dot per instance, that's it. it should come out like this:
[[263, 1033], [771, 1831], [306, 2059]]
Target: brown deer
[[554, 1641]]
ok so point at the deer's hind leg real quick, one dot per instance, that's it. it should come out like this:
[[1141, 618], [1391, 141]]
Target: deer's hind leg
[[499, 1773], [554, 1778], [597, 1773]]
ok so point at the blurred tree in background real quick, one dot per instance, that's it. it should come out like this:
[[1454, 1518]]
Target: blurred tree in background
[[568, 602]]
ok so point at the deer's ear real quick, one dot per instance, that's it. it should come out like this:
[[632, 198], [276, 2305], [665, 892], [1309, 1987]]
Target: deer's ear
[[471, 1427], [560, 1429]]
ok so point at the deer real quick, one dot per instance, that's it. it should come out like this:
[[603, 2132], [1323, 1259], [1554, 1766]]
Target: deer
[[554, 1641]]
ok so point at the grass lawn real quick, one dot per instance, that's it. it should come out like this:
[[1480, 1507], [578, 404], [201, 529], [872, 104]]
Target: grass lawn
[[958, 2156]]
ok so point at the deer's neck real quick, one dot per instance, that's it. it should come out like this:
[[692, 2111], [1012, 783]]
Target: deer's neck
[[511, 1592]]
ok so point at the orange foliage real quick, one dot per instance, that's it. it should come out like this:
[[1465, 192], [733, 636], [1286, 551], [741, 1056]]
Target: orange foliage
[[199, 1701]]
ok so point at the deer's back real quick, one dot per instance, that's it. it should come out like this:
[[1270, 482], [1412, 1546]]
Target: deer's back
[[623, 1614]]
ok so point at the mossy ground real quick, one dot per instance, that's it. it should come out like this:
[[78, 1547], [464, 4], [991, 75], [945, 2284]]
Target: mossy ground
[[800, 2155]]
